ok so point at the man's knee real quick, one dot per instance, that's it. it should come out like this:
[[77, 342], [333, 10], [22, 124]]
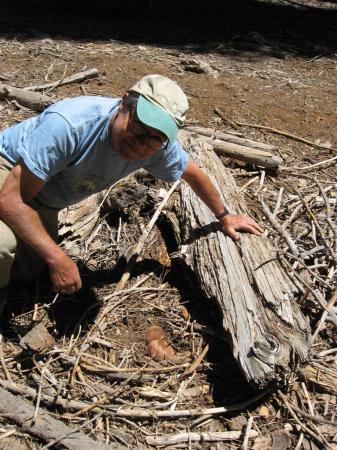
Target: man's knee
[[8, 245], [8, 241]]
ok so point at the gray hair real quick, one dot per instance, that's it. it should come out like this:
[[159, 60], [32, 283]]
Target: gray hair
[[130, 101]]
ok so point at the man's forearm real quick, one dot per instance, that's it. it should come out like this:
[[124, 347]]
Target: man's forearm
[[26, 224], [204, 189]]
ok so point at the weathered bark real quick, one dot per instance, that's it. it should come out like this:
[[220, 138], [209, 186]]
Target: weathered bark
[[77, 222], [255, 295], [45, 427]]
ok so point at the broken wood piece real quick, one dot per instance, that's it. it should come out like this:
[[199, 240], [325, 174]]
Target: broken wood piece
[[320, 375], [32, 100], [142, 241], [255, 294], [77, 222], [46, 427], [278, 227], [228, 137], [140, 413], [76, 78], [202, 436], [247, 154], [197, 361], [32, 394], [226, 119], [288, 135]]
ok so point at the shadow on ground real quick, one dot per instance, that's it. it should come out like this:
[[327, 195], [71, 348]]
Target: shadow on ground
[[277, 28]]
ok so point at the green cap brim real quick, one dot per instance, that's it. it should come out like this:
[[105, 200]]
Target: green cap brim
[[155, 117]]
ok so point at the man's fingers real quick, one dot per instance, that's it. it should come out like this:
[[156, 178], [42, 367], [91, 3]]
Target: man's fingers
[[250, 229], [253, 229], [232, 224], [247, 222], [232, 234], [69, 290], [257, 227]]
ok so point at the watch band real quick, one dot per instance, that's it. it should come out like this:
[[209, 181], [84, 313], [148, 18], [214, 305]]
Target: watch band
[[223, 214]]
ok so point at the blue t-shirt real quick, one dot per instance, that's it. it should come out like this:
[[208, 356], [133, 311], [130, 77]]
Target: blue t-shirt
[[68, 147]]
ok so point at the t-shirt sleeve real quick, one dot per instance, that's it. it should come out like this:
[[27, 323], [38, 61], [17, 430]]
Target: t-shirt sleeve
[[49, 146], [168, 164]]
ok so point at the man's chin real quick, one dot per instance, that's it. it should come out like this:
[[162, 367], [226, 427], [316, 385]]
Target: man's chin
[[125, 157], [128, 153]]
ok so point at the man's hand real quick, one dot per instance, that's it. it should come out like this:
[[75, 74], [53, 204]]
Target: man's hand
[[230, 224], [64, 275]]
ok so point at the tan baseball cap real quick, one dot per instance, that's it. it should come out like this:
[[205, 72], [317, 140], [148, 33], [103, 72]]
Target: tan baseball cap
[[162, 104]]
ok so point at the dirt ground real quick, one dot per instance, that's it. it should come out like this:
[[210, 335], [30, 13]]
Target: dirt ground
[[268, 63]]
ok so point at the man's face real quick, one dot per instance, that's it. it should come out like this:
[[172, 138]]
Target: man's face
[[132, 139]]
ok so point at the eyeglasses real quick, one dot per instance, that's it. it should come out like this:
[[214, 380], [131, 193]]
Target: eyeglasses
[[142, 136]]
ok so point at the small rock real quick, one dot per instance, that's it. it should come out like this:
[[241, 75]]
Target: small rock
[[281, 440], [309, 444], [237, 423], [12, 443], [125, 195], [197, 66], [38, 339], [263, 411], [288, 427], [262, 443]]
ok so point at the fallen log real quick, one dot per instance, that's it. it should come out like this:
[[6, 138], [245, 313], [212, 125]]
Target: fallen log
[[242, 149], [254, 293], [227, 137], [75, 78], [246, 154], [45, 427], [38, 102], [32, 100]]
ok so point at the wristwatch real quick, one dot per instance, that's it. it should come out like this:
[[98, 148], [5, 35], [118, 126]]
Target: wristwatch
[[223, 214]]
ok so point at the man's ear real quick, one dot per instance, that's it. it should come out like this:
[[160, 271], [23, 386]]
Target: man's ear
[[125, 96]]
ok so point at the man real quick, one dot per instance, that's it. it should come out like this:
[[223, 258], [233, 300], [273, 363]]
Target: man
[[80, 146]]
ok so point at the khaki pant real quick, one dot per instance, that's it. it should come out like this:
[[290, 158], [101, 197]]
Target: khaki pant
[[17, 260]]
